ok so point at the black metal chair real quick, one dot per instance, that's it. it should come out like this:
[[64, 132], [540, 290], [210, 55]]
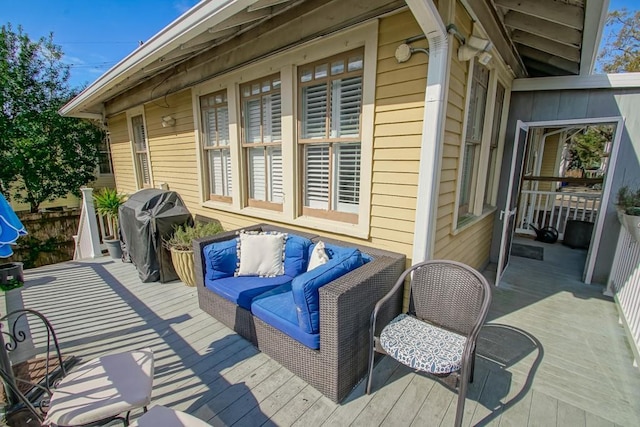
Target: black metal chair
[[96, 392], [448, 304]]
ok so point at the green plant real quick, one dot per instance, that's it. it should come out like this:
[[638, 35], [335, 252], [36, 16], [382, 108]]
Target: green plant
[[107, 202], [183, 235], [629, 200]]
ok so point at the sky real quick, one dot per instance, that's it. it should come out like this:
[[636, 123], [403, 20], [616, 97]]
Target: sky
[[95, 35]]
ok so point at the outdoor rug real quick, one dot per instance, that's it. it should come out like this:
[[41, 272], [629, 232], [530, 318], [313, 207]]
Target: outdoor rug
[[527, 251]]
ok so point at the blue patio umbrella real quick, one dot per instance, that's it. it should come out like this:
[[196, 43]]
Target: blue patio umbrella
[[10, 228]]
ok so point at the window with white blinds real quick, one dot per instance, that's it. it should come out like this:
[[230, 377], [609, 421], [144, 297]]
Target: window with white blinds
[[330, 103], [215, 119], [140, 149], [261, 109], [473, 138]]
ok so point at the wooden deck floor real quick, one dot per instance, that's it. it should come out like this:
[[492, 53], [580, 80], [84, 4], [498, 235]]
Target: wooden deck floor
[[553, 353]]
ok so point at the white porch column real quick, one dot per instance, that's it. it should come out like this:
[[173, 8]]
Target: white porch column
[[88, 232]]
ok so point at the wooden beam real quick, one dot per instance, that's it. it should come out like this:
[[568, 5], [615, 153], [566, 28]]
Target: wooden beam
[[538, 69], [261, 4], [242, 18], [488, 17], [547, 58], [549, 10], [558, 49], [208, 37], [542, 28]]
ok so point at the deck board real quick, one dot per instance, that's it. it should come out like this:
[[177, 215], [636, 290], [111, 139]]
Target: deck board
[[552, 353]]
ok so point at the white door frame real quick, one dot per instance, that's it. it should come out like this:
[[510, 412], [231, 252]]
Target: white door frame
[[606, 191]]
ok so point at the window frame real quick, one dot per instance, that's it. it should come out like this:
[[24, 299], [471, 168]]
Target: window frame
[[131, 115], [286, 63], [303, 143], [478, 209], [247, 146], [217, 146]]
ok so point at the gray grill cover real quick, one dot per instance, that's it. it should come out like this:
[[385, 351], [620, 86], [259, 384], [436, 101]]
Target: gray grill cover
[[146, 219]]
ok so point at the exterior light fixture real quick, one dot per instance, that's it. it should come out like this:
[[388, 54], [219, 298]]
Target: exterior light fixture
[[168, 121]]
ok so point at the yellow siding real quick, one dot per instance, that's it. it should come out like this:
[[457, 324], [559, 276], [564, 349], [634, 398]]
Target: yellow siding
[[121, 155], [549, 166]]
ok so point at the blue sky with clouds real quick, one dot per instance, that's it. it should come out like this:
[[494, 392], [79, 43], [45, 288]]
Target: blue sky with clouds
[[97, 34]]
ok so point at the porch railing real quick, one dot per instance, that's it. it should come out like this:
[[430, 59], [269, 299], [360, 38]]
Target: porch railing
[[551, 208], [88, 240], [624, 286]]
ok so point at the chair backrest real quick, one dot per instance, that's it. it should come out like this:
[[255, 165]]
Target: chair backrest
[[450, 295]]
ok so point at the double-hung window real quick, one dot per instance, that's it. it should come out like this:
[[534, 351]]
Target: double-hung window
[[262, 142], [329, 135], [140, 151], [215, 119], [473, 138], [492, 170]]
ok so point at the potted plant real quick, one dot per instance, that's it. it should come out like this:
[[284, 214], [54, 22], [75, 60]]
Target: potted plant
[[628, 207], [107, 202], [181, 247]]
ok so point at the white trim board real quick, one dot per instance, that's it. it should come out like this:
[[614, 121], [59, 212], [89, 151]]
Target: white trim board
[[596, 81]]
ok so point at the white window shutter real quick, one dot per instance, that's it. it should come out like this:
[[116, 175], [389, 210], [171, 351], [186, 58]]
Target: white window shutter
[[257, 175], [216, 180], [223, 125], [144, 168], [252, 120], [275, 174], [317, 176], [345, 107], [227, 169], [347, 177], [314, 111]]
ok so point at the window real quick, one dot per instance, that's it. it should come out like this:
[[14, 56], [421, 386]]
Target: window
[[215, 120], [261, 141], [473, 138], [492, 173], [330, 105], [104, 157], [140, 151]]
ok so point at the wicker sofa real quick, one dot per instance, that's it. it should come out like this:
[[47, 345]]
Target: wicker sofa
[[345, 310]]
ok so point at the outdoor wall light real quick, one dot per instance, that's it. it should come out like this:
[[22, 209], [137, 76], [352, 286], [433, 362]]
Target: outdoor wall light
[[168, 121], [475, 46], [404, 52]]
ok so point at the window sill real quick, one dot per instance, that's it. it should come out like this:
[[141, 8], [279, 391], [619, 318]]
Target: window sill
[[471, 220], [308, 222]]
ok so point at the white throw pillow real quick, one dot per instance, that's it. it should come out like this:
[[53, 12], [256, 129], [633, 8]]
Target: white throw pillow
[[318, 256], [261, 254]]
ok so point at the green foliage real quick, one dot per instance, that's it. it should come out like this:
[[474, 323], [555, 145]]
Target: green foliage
[[588, 148], [629, 200], [183, 236], [43, 155], [12, 283], [34, 247], [621, 52], [107, 201]]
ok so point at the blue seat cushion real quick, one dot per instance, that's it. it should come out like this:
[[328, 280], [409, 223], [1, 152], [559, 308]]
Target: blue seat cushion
[[305, 287], [422, 346], [242, 290], [278, 309], [221, 259], [296, 256]]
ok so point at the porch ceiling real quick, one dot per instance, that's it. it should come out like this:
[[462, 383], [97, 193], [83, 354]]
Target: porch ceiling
[[550, 35]]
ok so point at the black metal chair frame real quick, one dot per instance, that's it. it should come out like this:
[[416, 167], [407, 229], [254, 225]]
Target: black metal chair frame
[[36, 401], [462, 377]]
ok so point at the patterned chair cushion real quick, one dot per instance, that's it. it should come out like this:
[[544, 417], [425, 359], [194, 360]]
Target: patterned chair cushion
[[422, 346]]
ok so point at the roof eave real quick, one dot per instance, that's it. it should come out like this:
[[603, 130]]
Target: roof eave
[[194, 21], [595, 18]]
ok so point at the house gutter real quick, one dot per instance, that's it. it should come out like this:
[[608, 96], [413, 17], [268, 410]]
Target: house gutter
[[197, 19], [426, 13]]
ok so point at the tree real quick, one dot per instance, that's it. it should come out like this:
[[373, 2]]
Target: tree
[[43, 155], [587, 148], [621, 52]]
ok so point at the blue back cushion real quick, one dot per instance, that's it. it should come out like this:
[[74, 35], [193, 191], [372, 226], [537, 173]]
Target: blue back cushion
[[305, 286], [296, 255], [221, 259]]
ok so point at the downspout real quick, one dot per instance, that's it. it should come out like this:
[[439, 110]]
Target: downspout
[[426, 13]]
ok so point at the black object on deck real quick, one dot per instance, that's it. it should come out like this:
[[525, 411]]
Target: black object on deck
[[146, 219]]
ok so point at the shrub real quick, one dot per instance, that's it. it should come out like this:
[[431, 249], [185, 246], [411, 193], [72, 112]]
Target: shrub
[[629, 200], [183, 236]]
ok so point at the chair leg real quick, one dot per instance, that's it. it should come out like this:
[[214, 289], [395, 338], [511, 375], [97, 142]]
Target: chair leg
[[371, 358], [473, 365], [462, 396]]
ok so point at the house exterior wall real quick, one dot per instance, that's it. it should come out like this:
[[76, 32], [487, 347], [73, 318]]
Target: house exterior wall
[[549, 166], [582, 104], [398, 110]]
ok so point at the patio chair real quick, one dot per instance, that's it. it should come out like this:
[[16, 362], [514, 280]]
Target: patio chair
[[99, 391], [448, 304]]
